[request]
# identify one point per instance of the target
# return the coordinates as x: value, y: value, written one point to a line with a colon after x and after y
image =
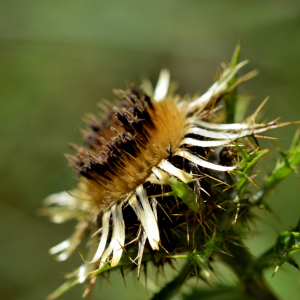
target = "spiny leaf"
x: 246, y: 168
x: 126, y: 259
x: 283, y: 168
x: 200, y: 257
x: 287, y: 243
x: 185, y: 193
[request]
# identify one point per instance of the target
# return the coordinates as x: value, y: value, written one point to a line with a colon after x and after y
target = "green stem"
x: 242, y: 264
x: 171, y: 289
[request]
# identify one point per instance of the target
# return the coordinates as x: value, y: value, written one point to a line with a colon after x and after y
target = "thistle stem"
x: 243, y: 264
x: 172, y: 288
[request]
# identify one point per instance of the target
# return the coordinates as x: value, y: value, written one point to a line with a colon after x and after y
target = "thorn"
x: 107, y: 280
x: 97, y: 231
x: 237, y: 212
x: 122, y: 273
x: 145, y: 274
x: 187, y: 229
x: 164, y: 212
x: 142, y: 242
x: 276, y: 269
x: 89, y: 289
x: 260, y: 107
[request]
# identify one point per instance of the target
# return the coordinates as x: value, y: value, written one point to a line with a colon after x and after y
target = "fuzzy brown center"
x: 123, y: 147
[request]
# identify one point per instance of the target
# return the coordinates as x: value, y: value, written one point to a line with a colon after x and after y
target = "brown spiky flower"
x: 149, y: 174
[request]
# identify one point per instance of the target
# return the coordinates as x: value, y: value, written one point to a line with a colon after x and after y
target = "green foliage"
x: 185, y: 193
x: 288, y: 163
x: 200, y: 257
x: 246, y: 169
x: 127, y: 259
x: 287, y: 243
x: 290, y: 160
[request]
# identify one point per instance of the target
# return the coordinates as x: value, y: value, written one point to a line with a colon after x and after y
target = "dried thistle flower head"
x: 155, y: 176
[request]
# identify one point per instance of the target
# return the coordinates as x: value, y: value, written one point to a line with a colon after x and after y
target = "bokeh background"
x: 59, y: 58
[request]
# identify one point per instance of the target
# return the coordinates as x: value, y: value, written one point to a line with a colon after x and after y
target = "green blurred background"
x: 59, y: 58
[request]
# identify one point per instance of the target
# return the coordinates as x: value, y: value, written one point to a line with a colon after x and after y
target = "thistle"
x: 160, y: 178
